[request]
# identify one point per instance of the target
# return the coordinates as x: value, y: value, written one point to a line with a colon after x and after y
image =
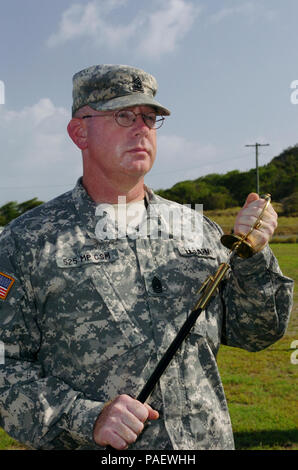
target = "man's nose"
x: 139, y: 124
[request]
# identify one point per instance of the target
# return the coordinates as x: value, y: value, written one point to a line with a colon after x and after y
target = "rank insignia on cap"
x: 137, y: 84
x: 6, y: 283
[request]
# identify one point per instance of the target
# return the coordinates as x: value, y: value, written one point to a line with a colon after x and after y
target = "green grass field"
x: 261, y: 388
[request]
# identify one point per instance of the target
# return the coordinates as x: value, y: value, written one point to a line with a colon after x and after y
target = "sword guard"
x: 244, y: 248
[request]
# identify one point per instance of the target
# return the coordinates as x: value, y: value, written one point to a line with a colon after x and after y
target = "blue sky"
x: 224, y: 69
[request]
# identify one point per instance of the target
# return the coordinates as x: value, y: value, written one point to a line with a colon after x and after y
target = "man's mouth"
x: 139, y: 150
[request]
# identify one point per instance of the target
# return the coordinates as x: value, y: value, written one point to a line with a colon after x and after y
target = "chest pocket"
x: 116, y: 307
x: 96, y: 264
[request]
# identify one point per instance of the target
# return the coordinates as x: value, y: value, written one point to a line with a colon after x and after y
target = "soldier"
x: 89, y: 303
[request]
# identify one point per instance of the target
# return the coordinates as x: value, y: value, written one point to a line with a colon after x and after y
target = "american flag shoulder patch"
x: 6, y: 283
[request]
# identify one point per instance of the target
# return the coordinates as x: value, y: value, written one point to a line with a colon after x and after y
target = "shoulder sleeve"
x: 34, y: 408
x: 258, y: 300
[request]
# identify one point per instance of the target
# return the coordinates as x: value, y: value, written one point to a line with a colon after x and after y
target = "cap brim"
x: 134, y: 99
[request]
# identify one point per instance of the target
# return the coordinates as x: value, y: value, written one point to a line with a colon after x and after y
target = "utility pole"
x: 256, y: 145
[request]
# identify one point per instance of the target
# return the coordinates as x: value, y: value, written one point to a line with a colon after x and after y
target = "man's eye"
x: 150, y: 117
x: 124, y: 114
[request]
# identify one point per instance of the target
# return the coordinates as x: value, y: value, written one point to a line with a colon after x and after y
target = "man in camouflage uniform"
x: 88, y: 308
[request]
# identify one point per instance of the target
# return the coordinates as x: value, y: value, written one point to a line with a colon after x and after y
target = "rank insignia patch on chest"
x: 6, y: 283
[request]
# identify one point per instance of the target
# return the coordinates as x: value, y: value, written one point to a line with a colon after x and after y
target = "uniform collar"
x: 86, y: 207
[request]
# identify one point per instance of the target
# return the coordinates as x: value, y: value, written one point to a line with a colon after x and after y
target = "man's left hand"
x: 247, y: 217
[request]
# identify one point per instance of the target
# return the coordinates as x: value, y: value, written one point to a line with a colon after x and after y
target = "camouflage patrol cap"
x: 109, y: 87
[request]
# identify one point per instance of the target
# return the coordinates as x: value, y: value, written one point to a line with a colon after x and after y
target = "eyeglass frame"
x: 144, y: 115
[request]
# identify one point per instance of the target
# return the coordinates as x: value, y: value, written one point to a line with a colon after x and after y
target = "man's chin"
x: 138, y: 169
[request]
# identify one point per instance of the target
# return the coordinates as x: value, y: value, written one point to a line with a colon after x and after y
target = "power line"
x: 256, y: 145
x: 195, y: 167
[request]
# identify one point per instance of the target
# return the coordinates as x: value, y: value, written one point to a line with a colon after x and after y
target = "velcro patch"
x: 193, y: 251
x: 6, y: 283
x: 87, y: 257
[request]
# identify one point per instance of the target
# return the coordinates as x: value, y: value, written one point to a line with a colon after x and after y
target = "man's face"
x: 120, y: 151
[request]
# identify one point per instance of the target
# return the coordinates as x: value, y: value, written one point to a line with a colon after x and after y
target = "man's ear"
x: 78, y: 133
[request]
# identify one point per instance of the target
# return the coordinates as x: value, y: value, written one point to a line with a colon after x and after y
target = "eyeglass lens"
x: 126, y: 118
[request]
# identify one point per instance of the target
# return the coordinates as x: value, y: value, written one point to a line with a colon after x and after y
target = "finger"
x: 139, y: 410
x: 125, y: 433
x: 152, y: 414
x: 115, y: 433
x: 253, y: 200
x: 253, y: 221
x: 132, y: 422
x: 259, y: 204
x: 250, y: 198
x: 142, y: 411
x: 113, y: 439
x: 271, y: 210
x: 264, y: 228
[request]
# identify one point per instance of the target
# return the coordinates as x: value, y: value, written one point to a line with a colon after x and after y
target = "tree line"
x: 12, y: 209
x: 217, y: 191
x: 221, y: 191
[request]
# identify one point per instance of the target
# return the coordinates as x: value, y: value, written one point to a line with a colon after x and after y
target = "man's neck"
x: 105, y: 192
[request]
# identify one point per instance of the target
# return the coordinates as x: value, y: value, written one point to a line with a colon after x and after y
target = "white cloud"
x: 154, y: 30
x: 225, y: 13
x: 36, y: 151
x: 250, y: 10
x: 167, y: 26
x: 90, y: 21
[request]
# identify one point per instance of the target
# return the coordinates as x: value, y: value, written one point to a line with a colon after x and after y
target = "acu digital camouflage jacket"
x: 83, y: 320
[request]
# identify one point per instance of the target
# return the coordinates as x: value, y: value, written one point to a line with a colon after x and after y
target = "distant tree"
x: 8, y: 212
x: 28, y: 205
x: 12, y: 209
x: 221, y: 199
x: 290, y: 205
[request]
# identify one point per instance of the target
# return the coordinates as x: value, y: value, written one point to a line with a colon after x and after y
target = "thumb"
x: 250, y: 198
x: 153, y: 414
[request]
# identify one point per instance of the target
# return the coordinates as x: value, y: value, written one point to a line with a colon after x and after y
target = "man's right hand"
x: 121, y: 421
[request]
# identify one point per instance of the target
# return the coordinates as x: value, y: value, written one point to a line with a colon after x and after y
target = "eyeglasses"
x: 126, y: 118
